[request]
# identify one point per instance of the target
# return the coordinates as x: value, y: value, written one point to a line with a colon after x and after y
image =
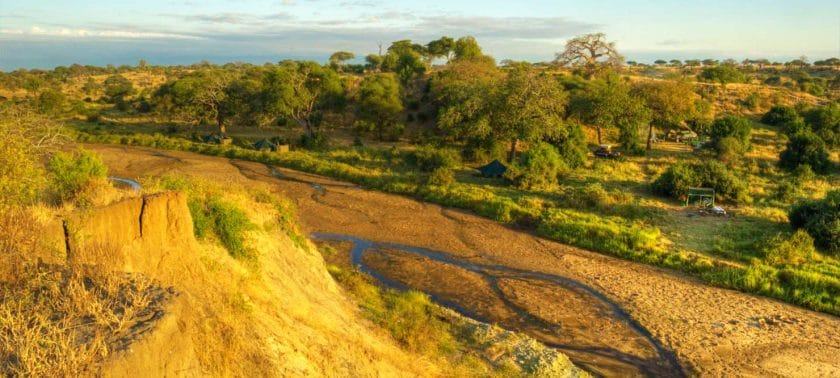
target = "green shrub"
x: 429, y: 158
x: 786, y: 191
x: 821, y: 219
x: 70, y: 173
x: 729, y: 149
x: 441, y: 177
x: 825, y: 122
x: 795, y: 249
x: 723, y: 74
x: 229, y: 224
x: 539, y: 167
x: 805, y: 148
x: 675, y: 181
x: 780, y: 115
x: 731, y: 127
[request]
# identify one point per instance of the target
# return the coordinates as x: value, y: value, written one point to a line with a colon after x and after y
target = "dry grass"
x: 63, y: 320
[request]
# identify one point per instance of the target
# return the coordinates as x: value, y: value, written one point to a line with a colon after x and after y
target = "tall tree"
x: 198, y: 96
x: 338, y: 58
x: 467, y: 48
x: 441, y: 48
x: 302, y: 92
x: 671, y: 103
x: 463, y: 92
x: 379, y: 103
x: 591, y: 52
x: 610, y: 104
x: 529, y: 106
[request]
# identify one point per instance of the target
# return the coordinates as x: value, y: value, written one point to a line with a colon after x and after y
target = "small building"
x: 494, y: 169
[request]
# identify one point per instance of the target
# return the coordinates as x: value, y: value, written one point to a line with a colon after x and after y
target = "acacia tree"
x: 302, y: 92
x: 467, y: 48
x: 338, y: 58
x: 463, y: 93
x: 591, y: 52
x: 610, y: 104
x: 379, y: 104
x: 528, y: 106
x: 441, y: 48
x: 198, y: 96
x: 671, y: 103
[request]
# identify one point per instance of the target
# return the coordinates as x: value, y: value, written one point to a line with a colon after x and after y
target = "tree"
x: 374, y: 62
x: 91, y: 87
x: 779, y: 115
x: 117, y: 87
x: 821, y: 219
x: 731, y: 135
x: 693, y: 62
x: 338, y: 58
x: 467, y: 48
x: 539, y: 167
x: 671, y: 103
x: 805, y: 148
x: 710, y: 62
x: 660, y: 62
x: 591, y: 52
x: 463, y: 92
x: 198, y: 97
x: 675, y: 62
x: 609, y: 104
x: 301, y: 91
x: 529, y: 106
x: 825, y: 122
x: 406, y: 59
x: 379, y: 104
x: 441, y: 48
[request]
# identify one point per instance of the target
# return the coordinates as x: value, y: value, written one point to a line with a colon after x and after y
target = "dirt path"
x: 712, y: 331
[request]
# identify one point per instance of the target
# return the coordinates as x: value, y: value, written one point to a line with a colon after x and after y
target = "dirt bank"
x: 712, y: 331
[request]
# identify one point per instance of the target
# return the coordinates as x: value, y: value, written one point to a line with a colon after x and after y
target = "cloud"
x: 36, y: 31
x: 671, y: 42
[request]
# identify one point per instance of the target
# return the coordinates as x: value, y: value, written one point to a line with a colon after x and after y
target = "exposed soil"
x: 711, y: 331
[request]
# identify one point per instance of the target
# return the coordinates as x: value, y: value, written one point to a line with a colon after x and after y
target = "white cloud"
x: 36, y: 31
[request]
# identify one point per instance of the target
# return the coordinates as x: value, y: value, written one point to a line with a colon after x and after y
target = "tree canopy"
x: 591, y: 52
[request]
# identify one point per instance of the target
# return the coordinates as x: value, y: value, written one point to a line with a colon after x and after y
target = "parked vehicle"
x: 606, y: 151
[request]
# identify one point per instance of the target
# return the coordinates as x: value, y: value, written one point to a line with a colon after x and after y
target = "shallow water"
x: 666, y: 364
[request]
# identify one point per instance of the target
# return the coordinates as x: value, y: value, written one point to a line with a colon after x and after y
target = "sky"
x: 50, y: 33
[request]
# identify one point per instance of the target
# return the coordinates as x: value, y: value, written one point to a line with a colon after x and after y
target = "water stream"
x: 667, y: 363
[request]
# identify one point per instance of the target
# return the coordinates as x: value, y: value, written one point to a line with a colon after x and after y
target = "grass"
x: 609, y: 221
x: 213, y: 216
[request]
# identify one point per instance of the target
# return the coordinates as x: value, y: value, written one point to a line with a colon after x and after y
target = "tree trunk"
x: 598, y: 129
x: 512, y: 154
x: 650, y: 137
x: 222, y: 128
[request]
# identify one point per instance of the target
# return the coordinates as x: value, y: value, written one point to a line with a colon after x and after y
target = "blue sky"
x: 45, y: 34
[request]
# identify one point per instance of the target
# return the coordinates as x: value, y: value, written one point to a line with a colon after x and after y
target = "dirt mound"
x: 280, y: 315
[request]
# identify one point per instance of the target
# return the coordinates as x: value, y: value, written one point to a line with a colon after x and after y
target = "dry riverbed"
x: 539, y: 286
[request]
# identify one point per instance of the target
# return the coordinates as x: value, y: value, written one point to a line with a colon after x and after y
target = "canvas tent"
x: 265, y: 145
x: 494, y: 169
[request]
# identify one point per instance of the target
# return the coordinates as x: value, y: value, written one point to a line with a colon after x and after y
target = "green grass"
x: 462, y: 347
x: 602, y: 218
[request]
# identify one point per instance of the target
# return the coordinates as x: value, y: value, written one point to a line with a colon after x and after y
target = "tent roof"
x: 494, y: 168
x: 265, y: 143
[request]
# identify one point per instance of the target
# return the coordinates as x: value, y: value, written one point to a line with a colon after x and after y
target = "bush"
x: 731, y: 127
x: 429, y: 158
x: 70, y: 173
x: 805, y: 148
x: 794, y: 250
x: 780, y: 115
x: 825, y: 122
x: 316, y: 141
x: 729, y: 149
x: 539, y: 167
x: 723, y: 74
x: 441, y: 177
x: 821, y: 219
x: 676, y: 180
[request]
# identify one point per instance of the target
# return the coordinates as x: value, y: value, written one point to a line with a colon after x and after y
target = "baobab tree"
x: 591, y: 52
